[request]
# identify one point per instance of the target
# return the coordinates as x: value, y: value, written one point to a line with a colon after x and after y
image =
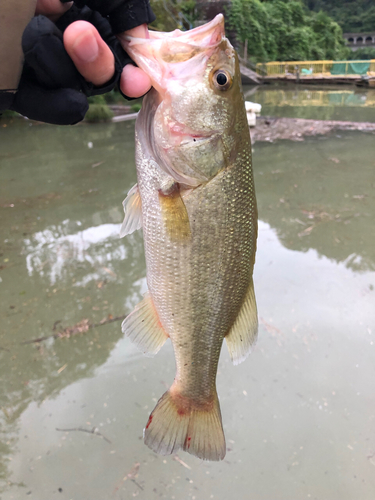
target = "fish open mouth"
x: 165, y: 55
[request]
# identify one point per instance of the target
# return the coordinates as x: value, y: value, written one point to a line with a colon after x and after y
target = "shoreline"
x: 267, y: 129
x: 271, y: 128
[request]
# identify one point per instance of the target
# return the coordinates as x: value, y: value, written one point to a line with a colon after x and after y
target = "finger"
x: 134, y: 81
x: 90, y: 54
x: 52, y: 8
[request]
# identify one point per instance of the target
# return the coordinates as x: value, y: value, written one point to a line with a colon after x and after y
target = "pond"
x: 298, y: 415
x: 315, y: 102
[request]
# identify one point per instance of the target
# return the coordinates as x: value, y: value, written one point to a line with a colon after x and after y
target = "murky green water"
x: 314, y: 102
x: 299, y: 414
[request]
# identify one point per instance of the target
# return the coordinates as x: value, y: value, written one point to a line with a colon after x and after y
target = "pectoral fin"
x: 144, y: 329
x: 133, y: 212
x: 243, y: 333
x: 175, y: 216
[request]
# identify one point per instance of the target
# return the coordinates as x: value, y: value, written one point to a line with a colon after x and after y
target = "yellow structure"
x: 310, y: 68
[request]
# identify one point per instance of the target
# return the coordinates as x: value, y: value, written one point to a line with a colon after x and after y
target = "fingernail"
x: 86, y: 47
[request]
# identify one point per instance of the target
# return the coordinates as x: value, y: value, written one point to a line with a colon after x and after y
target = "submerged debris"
x: 94, y: 430
x: 81, y: 327
x: 270, y: 129
x: 132, y: 474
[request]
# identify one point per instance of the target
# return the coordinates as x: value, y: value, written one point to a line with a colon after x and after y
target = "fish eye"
x: 222, y: 79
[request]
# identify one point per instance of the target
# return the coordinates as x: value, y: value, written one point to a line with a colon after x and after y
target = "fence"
x: 314, y: 68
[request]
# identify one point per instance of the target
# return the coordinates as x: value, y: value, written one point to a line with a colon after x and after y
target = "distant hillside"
x: 351, y: 15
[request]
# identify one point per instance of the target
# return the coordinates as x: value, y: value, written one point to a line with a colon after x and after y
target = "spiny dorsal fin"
x: 143, y: 327
x: 243, y: 333
x: 133, y: 212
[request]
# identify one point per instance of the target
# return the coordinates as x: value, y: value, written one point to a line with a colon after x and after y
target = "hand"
x: 91, y: 55
x: 95, y: 61
x: 55, y: 82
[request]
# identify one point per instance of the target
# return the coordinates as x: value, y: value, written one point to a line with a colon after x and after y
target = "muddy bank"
x: 270, y: 128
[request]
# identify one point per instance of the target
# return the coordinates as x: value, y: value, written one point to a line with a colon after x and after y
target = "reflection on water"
x: 352, y: 104
x: 321, y: 194
x: 52, y: 252
x: 61, y: 261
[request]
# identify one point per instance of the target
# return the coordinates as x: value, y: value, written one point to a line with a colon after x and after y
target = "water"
x: 315, y: 102
x: 298, y: 414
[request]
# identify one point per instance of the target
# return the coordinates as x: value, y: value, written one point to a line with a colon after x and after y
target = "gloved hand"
x: 51, y: 88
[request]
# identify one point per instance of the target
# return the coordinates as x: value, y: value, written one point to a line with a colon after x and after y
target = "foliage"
x: 113, y: 97
x: 189, y: 9
x: 98, y: 110
x: 173, y: 14
x: 167, y: 14
x: 361, y: 54
x: 8, y: 113
x: 328, y: 36
x: 351, y: 15
x: 98, y: 113
x: 284, y: 30
x: 96, y: 99
x: 136, y: 106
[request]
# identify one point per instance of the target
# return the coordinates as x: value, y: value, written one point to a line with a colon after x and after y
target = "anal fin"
x: 133, y: 212
x: 143, y: 327
x: 243, y: 334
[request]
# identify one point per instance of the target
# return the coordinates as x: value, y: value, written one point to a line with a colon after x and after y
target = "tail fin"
x: 177, y: 423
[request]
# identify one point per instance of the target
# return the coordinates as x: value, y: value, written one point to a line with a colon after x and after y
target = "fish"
x: 195, y: 201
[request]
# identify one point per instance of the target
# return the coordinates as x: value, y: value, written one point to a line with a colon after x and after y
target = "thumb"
x: 89, y: 53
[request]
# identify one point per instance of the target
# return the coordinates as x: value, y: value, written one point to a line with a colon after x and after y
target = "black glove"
x: 123, y: 15
x: 51, y: 89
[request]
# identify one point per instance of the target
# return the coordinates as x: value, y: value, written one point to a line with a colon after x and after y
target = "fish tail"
x: 177, y: 422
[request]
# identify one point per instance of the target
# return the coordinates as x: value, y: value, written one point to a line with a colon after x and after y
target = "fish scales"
x: 200, y: 277
x: 212, y: 269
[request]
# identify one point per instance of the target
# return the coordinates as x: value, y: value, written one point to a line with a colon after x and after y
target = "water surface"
x: 298, y: 415
x: 343, y: 103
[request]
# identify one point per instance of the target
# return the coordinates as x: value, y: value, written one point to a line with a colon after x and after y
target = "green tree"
x: 250, y: 20
x: 363, y: 53
x: 351, y: 15
x: 166, y: 16
x: 189, y: 9
x: 285, y: 31
x: 172, y: 14
x: 328, y: 37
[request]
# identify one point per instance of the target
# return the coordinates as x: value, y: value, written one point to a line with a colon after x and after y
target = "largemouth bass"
x: 196, y: 203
